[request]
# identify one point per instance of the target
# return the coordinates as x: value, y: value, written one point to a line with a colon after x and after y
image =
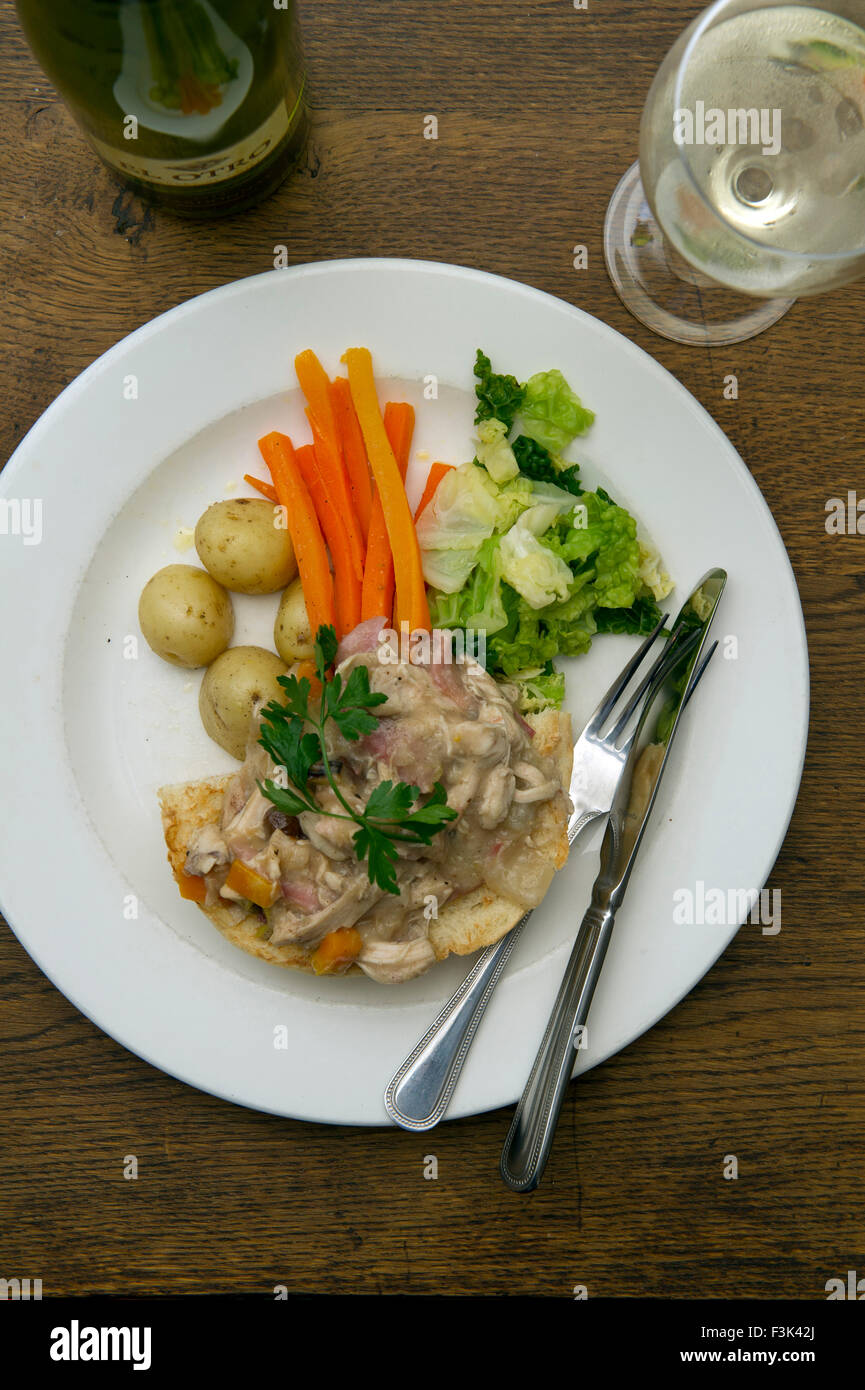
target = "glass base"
x: 663, y: 290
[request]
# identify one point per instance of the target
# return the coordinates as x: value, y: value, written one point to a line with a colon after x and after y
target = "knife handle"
x: 530, y: 1137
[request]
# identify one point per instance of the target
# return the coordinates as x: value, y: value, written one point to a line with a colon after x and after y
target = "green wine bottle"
x: 197, y: 104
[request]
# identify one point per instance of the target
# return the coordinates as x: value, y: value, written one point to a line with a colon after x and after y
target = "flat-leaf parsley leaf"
x: 293, y: 735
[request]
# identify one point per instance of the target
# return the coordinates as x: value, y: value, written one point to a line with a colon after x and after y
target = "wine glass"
x: 750, y: 188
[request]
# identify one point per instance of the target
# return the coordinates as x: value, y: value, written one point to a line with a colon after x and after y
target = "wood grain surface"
x: 538, y: 108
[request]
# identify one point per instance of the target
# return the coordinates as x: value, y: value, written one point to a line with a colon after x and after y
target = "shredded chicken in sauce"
x: 446, y: 722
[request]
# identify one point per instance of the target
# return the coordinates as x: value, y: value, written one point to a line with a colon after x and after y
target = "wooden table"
x: 538, y: 108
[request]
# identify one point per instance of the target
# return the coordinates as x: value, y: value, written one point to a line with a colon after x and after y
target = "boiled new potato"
x: 185, y: 616
x: 244, y: 547
x: 292, y: 635
x: 231, y: 686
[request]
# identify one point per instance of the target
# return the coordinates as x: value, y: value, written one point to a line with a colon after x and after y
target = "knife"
x: 530, y: 1137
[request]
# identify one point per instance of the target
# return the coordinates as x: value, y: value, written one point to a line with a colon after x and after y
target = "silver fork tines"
x: 677, y: 648
x: 605, y: 707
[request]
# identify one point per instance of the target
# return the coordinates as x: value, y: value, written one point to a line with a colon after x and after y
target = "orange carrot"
x: 315, y: 385
x: 336, y: 951
x: 353, y: 452
x: 332, y: 470
x: 378, y: 575
x: 376, y: 600
x: 307, y: 669
x: 251, y: 885
x: 266, y: 489
x: 436, y: 474
x: 399, y: 427
x: 309, y: 548
x: 192, y: 886
x: 411, y: 593
x: 345, y: 581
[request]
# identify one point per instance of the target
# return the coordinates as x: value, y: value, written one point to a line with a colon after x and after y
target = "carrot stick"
x: 309, y: 548
x: 378, y: 576
x: 333, y: 475
x: 353, y: 452
x: 266, y: 489
x: 436, y: 474
x: 315, y: 385
x: 399, y: 428
x: 376, y: 599
x: 345, y: 581
x: 410, y: 590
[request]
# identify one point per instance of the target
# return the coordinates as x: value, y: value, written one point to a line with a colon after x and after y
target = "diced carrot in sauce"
x: 251, y: 885
x: 336, y: 951
x: 192, y: 887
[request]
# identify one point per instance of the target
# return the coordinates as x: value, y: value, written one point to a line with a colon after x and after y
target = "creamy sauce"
x: 442, y: 722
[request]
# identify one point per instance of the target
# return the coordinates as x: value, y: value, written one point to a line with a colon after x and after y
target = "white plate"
x: 89, y: 734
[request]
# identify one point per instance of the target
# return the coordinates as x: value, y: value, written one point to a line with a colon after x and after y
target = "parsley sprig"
x: 293, y: 735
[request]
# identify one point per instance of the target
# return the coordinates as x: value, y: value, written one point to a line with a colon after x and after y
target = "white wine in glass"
x: 750, y: 189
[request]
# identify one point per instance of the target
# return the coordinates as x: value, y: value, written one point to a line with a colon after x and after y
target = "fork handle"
x: 530, y: 1137
x: 420, y: 1092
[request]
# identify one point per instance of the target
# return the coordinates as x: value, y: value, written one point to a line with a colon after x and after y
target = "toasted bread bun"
x: 464, y: 924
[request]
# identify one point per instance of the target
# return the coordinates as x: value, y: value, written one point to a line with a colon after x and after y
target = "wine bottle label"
x: 209, y: 169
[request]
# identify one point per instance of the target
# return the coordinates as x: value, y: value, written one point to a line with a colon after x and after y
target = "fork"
x: 420, y: 1091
